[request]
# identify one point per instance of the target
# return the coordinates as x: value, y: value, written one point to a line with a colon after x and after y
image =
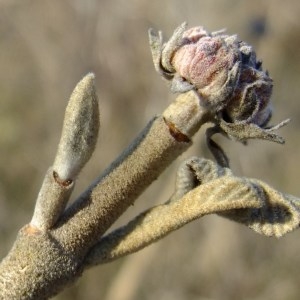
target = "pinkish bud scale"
x: 226, y: 76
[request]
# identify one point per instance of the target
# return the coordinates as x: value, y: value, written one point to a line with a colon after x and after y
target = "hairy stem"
x: 41, y: 263
x: 164, y: 139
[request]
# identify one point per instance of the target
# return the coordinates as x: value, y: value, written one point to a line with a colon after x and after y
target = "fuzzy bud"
x: 225, y: 75
x: 206, y: 63
x: 80, y: 130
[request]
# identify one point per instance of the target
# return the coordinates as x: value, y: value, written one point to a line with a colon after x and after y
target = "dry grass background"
x: 47, y: 46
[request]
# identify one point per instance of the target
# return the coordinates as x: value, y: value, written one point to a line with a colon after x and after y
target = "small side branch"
x: 77, y: 143
x: 247, y: 201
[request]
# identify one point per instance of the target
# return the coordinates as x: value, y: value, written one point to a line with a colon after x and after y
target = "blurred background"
x: 46, y: 47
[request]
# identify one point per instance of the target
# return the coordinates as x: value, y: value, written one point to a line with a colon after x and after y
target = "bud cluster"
x: 226, y: 76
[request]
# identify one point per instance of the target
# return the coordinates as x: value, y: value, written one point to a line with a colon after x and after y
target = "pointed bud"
x: 80, y: 130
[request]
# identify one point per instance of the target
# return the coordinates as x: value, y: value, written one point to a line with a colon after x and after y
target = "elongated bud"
x: 77, y: 143
x: 80, y: 130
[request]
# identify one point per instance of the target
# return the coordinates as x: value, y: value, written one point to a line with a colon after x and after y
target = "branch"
x: 247, y: 201
x: 49, y: 254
